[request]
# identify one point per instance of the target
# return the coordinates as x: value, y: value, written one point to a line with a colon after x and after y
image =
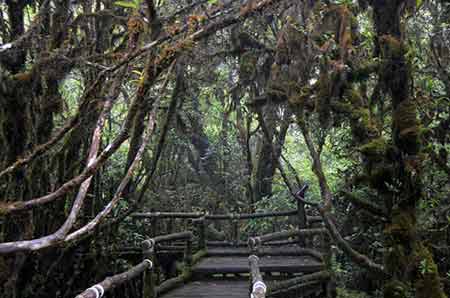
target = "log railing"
x: 200, y: 219
x: 256, y: 242
x: 192, y: 215
x: 296, y: 284
x: 150, y: 248
x: 99, y: 289
x: 184, y: 242
x: 257, y: 286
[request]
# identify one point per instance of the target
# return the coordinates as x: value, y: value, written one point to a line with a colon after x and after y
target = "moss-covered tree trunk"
x: 409, y: 263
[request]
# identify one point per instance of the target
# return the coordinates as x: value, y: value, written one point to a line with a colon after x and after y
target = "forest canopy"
x: 108, y: 108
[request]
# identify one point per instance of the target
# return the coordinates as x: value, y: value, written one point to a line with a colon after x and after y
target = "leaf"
x: 213, y: 2
x: 125, y: 4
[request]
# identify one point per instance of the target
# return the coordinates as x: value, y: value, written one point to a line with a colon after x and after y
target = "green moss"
x: 323, y: 106
x: 402, y: 227
x: 354, y: 97
x: 406, y: 127
x: 420, y: 264
x: 375, y: 149
x: 380, y: 176
x: 407, y: 257
x: 247, y: 65
x: 427, y: 282
x: 395, y: 289
x: 346, y: 293
x: 363, y: 72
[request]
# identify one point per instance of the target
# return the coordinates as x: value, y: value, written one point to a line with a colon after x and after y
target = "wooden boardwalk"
x: 211, y: 288
x: 224, y: 272
x: 281, y: 264
x: 286, y: 264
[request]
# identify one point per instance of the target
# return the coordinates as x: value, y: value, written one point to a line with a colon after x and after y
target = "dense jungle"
x: 136, y: 135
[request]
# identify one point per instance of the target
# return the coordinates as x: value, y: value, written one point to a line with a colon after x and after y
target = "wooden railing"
x: 194, y: 247
x: 150, y: 249
x: 296, y: 284
x: 99, y: 289
x: 201, y: 218
x: 257, y: 286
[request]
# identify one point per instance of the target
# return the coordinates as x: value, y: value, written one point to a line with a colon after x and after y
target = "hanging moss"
x: 395, y: 70
x: 406, y: 127
x: 324, y: 94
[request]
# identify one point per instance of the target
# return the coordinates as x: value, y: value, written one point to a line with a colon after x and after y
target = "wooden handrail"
x: 169, y: 237
x: 255, y: 242
x: 150, y: 246
x: 258, y: 288
x: 286, y: 284
x: 194, y: 215
x: 98, y: 290
x: 167, y: 215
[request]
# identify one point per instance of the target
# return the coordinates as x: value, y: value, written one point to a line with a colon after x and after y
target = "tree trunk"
x: 408, y: 261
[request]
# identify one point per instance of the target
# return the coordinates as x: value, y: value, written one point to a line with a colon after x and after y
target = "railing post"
x: 153, y: 226
x: 188, y: 254
x: 201, y: 230
x: 254, y: 244
x: 148, y: 282
x: 170, y: 223
x: 330, y: 287
x: 301, y: 213
x: 235, y: 227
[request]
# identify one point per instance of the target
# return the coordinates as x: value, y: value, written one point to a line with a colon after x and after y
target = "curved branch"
x: 325, y: 209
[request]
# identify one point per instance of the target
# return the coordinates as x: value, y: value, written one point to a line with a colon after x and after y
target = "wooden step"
x: 211, y: 288
x: 238, y: 264
x: 264, y: 251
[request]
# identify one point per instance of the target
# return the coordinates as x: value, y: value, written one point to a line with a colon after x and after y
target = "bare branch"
x: 325, y: 210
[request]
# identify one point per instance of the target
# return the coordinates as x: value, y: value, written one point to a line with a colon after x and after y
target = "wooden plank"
x: 211, y: 288
x: 288, y: 264
x: 264, y: 251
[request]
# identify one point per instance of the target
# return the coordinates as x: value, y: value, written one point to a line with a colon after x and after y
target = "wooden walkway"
x: 273, y: 264
x: 211, y: 288
x: 225, y: 272
x: 277, y: 265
